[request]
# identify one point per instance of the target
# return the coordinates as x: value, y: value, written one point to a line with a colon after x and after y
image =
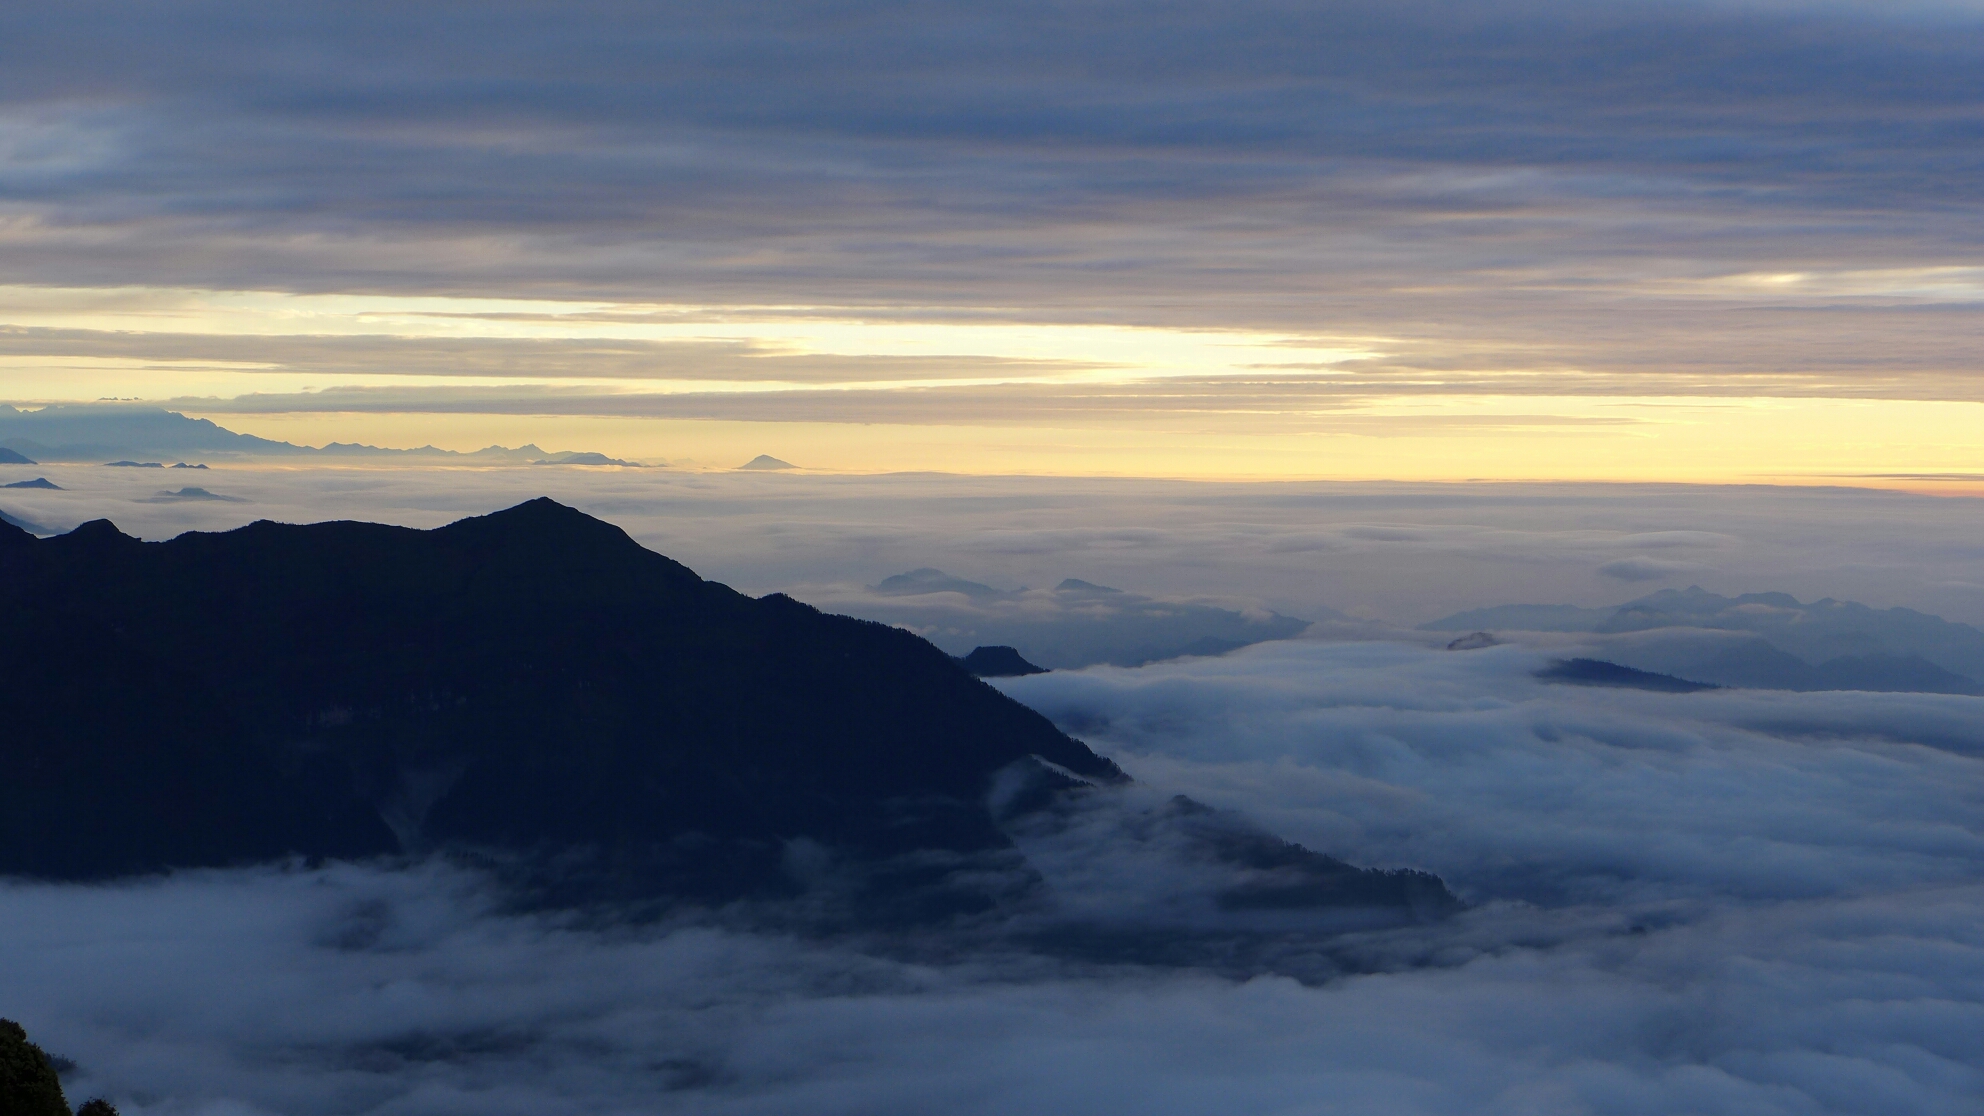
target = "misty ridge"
x: 1759, y: 640
x: 93, y: 432
x: 1072, y: 625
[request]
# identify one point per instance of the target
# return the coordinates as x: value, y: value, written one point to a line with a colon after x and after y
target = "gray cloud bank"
x: 1581, y: 194
x: 1707, y: 903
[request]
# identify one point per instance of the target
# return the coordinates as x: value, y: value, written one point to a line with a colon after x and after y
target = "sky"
x: 1361, y: 313
x: 1420, y: 241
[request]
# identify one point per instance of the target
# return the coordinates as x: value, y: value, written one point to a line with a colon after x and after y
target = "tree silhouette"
x: 97, y: 1107
x: 28, y: 1083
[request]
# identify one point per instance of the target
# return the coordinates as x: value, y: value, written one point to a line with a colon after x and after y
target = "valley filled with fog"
x: 1738, y: 900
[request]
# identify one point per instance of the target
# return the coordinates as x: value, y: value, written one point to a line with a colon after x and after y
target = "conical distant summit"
x: 767, y: 461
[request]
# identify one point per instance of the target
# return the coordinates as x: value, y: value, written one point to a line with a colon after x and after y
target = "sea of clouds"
x: 1718, y: 902
x: 1399, y: 553
x: 1721, y: 902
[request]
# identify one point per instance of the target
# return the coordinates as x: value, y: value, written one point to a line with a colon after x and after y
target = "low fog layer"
x: 1719, y: 902
x: 1402, y: 554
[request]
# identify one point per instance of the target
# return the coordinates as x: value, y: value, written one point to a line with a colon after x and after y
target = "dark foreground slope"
x: 532, y: 684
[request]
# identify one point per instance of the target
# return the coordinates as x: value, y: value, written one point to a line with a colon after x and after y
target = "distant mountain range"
x: 1075, y: 624
x: 537, y: 692
x: 1762, y: 640
x: 100, y: 432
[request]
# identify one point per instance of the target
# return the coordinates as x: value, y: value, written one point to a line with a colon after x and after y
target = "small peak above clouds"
x: 10, y: 457
x: 581, y: 458
x: 167, y: 496
x: 38, y: 482
x: 998, y: 662
x: 930, y: 580
x: 767, y: 462
x: 1076, y: 585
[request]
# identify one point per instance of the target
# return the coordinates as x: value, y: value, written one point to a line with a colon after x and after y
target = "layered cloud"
x: 1371, y: 200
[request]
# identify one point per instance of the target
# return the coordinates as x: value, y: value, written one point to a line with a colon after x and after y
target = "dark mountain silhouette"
x: 767, y: 461
x: 998, y: 662
x: 1598, y: 672
x: 532, y: 688
x: 38, y: 482
x: 9, y: 457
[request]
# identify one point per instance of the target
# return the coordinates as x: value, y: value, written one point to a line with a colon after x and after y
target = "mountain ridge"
x: 531, y: 688
x: 88, y: 432
x: 1766, y: 640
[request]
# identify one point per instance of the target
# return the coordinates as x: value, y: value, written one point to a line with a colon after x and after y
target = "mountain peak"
x: 998, y: 662
x: 536, y: 517
x: 1077, y: 585
x: 527, y: 681
x: 98, y: 532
